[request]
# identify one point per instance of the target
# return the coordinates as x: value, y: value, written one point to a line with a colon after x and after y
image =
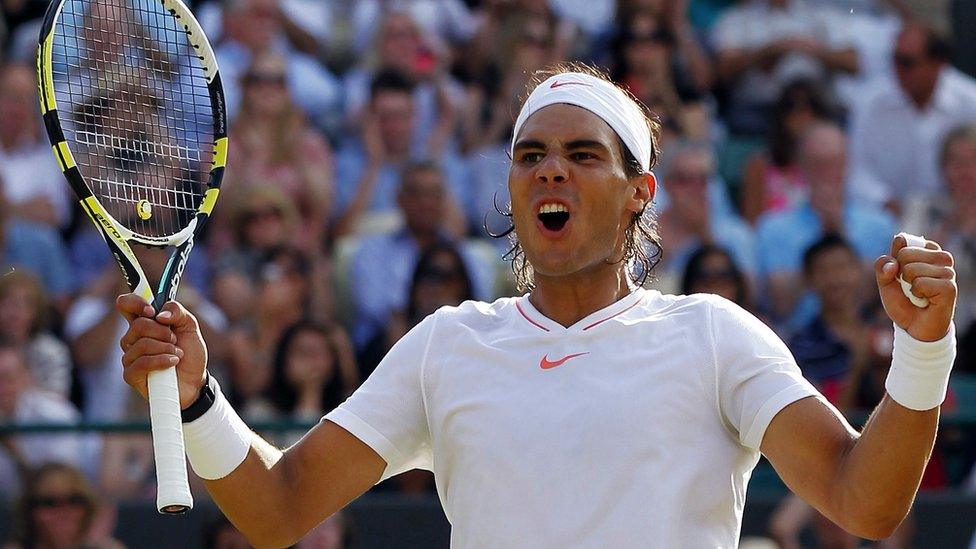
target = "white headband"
x: 599, y: 97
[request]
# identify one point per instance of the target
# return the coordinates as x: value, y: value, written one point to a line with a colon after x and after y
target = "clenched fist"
x: 930, y: 273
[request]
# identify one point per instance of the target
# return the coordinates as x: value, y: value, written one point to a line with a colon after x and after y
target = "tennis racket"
x: 134, y: 109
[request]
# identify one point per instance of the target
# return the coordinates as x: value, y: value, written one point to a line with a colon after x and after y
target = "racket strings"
x: 136, y: 110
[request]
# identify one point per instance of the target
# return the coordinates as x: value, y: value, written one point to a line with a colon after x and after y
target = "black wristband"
x: 206, y: 398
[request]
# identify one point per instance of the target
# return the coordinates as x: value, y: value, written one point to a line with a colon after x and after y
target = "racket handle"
x: 173, y: 490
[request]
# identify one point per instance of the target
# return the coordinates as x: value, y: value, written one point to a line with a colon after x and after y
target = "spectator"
x: 711, y: 270
x: 24, y: 315
x: 275, y: 146
x: 281, y: 300
x: 951, y: 220
x: 261, y: 219
x: 37, y: 249
x: 443, y: 22
x: 29, y: 176
x: 314, y: 371
x: 254, y: 27
x: 661, y: 63
x: 59, y: 510
x: 835, y: 346
x: 896, y: 132
x: 401, y: 46
x: 689, y: 219
x: 761, y: 45
x: 440, y: 278
x: 422, y: 199
x: 771, y: 179
x: 783, y: 236
x: 21, y: 403
x: 368, y: 171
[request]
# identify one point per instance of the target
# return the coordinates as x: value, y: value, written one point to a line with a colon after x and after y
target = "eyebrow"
x: 575, y: 144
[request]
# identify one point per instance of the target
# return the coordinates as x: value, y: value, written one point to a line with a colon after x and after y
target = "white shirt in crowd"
x: 638, y: 425
x: 30, y: 172
x: 755, y: 24
x: 895, y: 147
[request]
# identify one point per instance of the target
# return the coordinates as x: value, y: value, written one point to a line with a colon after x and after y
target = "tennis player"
x: 590, y: 412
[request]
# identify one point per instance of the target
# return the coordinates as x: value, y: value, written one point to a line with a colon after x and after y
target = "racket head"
x: 133, y: 105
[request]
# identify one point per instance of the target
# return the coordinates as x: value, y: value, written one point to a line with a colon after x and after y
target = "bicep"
x: 806, y: 442
x: 327, y: 469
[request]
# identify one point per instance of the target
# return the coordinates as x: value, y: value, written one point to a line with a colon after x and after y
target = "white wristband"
x: 218, y: 441
x: 919, y: 374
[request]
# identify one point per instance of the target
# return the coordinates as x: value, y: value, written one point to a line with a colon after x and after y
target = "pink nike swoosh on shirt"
x: 547, y: 364
x: 558, y: 84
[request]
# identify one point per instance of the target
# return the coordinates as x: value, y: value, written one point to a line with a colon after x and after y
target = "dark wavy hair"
x: 642, y: 249
x: 280, y: 393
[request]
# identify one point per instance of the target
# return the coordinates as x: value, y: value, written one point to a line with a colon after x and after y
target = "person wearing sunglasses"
x: 897, y: 132
x: 59, y: 510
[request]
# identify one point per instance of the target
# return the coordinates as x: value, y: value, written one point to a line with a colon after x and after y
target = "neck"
x: 309, y: 400
x: 568, y: 299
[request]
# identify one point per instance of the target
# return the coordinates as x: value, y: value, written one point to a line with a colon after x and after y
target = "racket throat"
x: 169, y: 283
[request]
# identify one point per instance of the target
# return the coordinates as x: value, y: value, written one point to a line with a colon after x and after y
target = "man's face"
x: 395, y: 112
x: 422, y: 201
x: 687, y: 184
x: 399, y: 42
x: 917, y: 73
x: 960, y: 169
x: 571, y: 199
x: 835, y: 276
x: 256, y: 24
x: 823, y: 162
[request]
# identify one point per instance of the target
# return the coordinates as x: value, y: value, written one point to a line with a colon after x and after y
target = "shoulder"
x: 474, y: 314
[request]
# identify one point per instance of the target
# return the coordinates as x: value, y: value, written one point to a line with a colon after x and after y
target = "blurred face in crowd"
x: 568, y: 158
x: 264, y: 226
x: 959, y: 168
x: 443, y: 283
x: 835, y: 277
x: 687, y: 184
x: 823, y: 161
x: 18, y: 311
x: 265, y: 87
x: 18, y: 104
x: 13, y: 380
x: 107, y: 19
x: 310, y: 358
x: 399, y: 42
x: 716, y: 276
x: 59, y: 510
x: 421, y: 199
x: 282, y: 286
x: 395, y: 112
x: 254, y: 23
x: 917, y: 72
x: 532, y: 51
x: 647, y: 49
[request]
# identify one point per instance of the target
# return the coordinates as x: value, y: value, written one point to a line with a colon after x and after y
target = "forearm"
x: 255, y: 497
x: 881, y: 473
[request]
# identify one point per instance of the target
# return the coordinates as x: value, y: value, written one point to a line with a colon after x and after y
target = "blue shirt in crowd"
x: 38, y: 249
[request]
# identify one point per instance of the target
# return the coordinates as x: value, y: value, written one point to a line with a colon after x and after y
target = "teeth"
x: 552, y: 207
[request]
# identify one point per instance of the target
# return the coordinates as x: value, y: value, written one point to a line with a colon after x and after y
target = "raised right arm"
x: 274, y: 497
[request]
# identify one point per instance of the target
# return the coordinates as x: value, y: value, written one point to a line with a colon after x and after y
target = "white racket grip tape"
x: 919, y: 374
x: 218, y: 441
x: 173, y: 489
x: 920, y: 302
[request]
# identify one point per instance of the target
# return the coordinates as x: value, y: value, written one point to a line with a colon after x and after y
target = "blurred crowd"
x: 366, y: 187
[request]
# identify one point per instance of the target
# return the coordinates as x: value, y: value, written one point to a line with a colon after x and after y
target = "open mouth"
x: 553, y: 216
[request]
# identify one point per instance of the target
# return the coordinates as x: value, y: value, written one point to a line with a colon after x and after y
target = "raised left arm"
x: 866, y: 482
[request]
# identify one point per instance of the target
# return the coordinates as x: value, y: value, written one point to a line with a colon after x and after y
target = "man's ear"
x: 645, y: 186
